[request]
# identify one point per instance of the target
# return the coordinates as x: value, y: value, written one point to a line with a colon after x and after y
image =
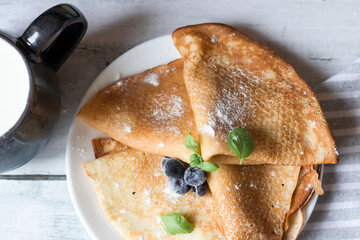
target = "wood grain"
x: 318, y: 37
x: 37, y: 210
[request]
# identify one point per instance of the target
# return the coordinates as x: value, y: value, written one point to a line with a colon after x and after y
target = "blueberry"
x: 173, y: 168
x: 165, y: 159
x: 201, y: 189
x: 194, y: 176
x: 179, y: 186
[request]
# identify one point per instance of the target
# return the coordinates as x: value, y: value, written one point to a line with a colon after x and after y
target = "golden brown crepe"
x: 133, y: 192
x: 234, y: 81
x: 247, y: 202
x: 104, y: 146
x: 149, y: 111
x: 308, y: 183
x: 253, y: 200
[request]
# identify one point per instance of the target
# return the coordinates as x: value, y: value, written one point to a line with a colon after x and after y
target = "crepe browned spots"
x: 149, y: 111
x: 246, y: 202
x: 234, y: 81
x: 133, y: 192
x: 253, y: 200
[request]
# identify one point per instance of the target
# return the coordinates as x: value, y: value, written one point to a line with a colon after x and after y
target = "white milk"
x: 14, y: 86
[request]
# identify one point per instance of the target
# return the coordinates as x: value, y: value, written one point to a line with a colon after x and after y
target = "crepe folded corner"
x: 234, y: 81
x: 149, y: 111
x: 133, y: 193
x: 246, y: 202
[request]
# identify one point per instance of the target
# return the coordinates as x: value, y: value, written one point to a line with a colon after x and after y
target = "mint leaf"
x: 240, y: 143
x: 175, y: 223
x: 190, y: 143
x: 195, y: 159
x: 209, y: 166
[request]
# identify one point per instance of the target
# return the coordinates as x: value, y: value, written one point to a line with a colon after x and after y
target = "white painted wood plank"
x: 317, y: 37
x: 37, y: 210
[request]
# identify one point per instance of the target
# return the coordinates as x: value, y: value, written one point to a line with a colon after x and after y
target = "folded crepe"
x: 231, y: 81
x: 246, y: 202
x: 253, y: 201
x: 234, y: 81
x: 308, y: 183
x: 149, y: 111
x: 133, y: 193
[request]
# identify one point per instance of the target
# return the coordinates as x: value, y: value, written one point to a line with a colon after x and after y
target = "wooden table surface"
x: 318, y: 37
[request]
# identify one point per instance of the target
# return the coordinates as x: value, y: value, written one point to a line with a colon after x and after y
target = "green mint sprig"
x: 240, y: 143
x: 190, y: 143
x: 175, y: 223
x: 196, y: 158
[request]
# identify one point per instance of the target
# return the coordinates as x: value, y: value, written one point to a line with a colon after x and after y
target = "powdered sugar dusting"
x: 158, y: 219
x: 213, y: 39
x: 173, y: 197
x: 228, y: 112
x: 147, y: 192
x: 173, y: 108
x: 166, y: 110
x: 152, y: 79
x: 208, y: 130
x: 127, y: 128
x: 119, y: 83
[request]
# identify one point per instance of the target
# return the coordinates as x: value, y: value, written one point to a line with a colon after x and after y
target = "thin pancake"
x: 239, y: 216
x: 234, y: 81
x: 296, y: 222
x: 104, y: 146
x: 149, y: 111
x: 308, y: 183
x: 302, y: 194
x: 133, y: 192
x: 253, y: 200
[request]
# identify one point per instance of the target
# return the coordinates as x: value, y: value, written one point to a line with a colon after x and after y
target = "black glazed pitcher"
x: 44, y: 46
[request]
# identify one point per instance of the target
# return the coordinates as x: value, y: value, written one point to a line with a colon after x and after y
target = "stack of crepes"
x: 224, y: 80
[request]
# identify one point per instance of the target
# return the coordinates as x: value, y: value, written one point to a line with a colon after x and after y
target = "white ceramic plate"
x: 147, y: 55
